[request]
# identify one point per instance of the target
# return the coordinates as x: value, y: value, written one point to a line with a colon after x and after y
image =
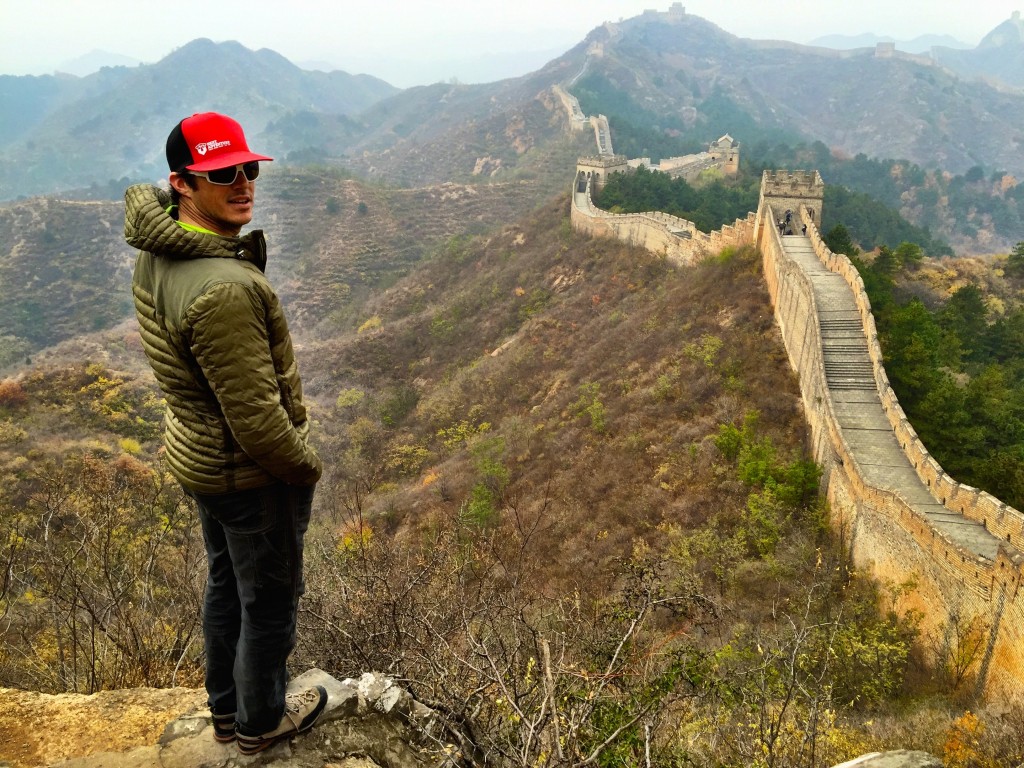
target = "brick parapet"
x: 959, y: 581
x: 999, y: 518
x: 889, y: 537
x: 950, y: 580
x: 676, y: 239
x: 577, y: 120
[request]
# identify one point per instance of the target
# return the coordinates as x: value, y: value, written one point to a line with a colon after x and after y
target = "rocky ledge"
x: 369, y: 723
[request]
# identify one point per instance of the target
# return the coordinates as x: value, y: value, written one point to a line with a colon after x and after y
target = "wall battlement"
x: 961, y: 549
x: 964, y: 549
x: 602, y: 161
x: 678, y: 240
x: 890, y: 537
x: 792, y: 184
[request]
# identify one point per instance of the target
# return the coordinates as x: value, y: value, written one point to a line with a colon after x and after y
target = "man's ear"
x: 180, y: 185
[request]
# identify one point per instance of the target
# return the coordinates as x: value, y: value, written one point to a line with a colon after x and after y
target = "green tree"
x: 1015, y: 261
x: 964, y: 320
x: 838, y: 240
x: 908, y: 253
x: 886, y: 263
x: 974, y: 174
x: 911, y: 343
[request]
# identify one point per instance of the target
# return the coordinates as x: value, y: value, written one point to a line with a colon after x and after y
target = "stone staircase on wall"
x: 603, y: 135
x: 849, y: 373
x: 906, y: 521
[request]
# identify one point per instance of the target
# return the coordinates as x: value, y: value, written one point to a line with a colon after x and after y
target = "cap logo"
x: 208, y: 146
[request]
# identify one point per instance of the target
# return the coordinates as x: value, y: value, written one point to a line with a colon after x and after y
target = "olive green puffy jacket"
x: 216, y: 337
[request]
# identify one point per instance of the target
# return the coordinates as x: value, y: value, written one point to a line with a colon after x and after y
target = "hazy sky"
x: 413, y: 42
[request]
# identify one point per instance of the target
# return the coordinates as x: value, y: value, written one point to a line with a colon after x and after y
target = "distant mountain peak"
x: 920, y: 44
x: 1010, y: 32
x: 93, y: 61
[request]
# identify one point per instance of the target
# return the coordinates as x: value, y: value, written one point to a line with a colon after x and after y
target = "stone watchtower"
x: 795, y: 191
x: 597, y: 168
x: 726, y: 151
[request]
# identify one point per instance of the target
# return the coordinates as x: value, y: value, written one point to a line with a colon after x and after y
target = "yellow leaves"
x: 11, y: 434
x: 430, y: 478
x: 408, y: 459
x: 662, y: 475
x: 704, y: 350
x: 531, y: 667
x: 354, y: 537
x: 349, y: 397
x: 371, y: 324
x: 456, y: 435
x: 962, y: 747
x: 128, y: 445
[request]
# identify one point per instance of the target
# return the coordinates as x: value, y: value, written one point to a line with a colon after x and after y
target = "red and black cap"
x: 208, y: 141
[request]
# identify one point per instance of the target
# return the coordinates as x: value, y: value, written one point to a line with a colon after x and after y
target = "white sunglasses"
x: 225, y: 177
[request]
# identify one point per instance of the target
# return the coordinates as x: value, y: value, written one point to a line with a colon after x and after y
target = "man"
x: 235, y: 427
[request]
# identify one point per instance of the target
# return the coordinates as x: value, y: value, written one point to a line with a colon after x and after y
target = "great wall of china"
x: 907, y: 521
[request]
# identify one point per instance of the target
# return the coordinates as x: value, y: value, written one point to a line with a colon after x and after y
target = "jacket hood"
x: 149, y: 227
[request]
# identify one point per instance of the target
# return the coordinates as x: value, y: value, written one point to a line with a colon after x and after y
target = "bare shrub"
x: 12, y: 394
x: 537, y: 679
x: 105, y: 586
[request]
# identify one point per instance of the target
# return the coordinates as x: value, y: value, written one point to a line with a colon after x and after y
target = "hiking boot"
x: 301, y: 710
x: 223, y: 727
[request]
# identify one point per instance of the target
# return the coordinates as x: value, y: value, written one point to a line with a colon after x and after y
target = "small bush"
x: 12, y: 394
x: 371, y: 324
x: 128, y: 445
x: 349, y: 397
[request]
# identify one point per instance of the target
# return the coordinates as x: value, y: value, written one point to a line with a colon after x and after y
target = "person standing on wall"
x: 235, y: 429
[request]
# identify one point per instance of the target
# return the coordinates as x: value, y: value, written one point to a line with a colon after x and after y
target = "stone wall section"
x: 888, y: 536
x: 677, y: 240
x: 960, y: 549
x: 577, y: 120
x: 603, y: 135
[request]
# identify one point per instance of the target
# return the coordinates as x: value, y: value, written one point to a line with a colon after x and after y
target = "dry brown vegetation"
x: 102, y: 564
x: 512, y: 331
x: 531, y: 505
x: 565, y: 502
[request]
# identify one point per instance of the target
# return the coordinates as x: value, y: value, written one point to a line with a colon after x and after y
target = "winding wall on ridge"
x: 676, y: 239
x: 906, y: 520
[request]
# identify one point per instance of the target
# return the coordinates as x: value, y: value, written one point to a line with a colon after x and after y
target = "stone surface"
x: 898, y: 759
x: 42, y: 729
x: 368, y: 723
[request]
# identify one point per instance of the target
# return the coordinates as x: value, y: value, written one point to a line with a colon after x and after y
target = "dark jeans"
x: 254, y: 551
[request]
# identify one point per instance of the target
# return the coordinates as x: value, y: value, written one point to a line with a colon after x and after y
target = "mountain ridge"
x: 118, y: 128
x: 814, y: 93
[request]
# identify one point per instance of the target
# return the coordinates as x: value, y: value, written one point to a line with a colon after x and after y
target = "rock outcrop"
x: 899, y: 759
x: 369, y: 723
